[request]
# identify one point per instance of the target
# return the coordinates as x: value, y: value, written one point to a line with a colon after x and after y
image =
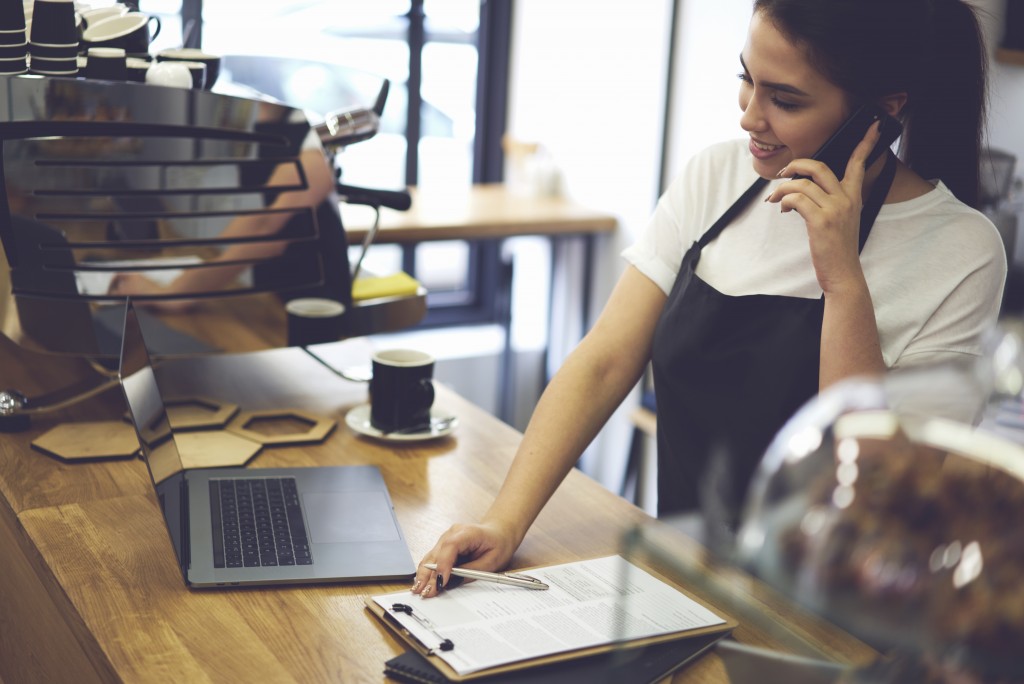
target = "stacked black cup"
x: 13, y: 41
x: 53, y: 45
x: 106, y: 64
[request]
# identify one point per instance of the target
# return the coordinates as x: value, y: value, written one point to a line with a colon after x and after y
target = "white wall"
x: 588, y: 82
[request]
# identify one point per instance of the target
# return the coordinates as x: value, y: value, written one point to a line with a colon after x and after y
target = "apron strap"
x: 730, y: 213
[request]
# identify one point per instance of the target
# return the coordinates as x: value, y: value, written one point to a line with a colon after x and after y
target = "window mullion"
x: 192, y: 11
x: 493, y: 41
x: 417, y: 37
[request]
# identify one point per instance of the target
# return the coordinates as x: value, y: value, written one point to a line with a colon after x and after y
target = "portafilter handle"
x: 348, y: 126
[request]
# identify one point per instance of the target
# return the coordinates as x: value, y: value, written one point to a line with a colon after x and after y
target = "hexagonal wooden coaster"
x: 89, y: 440
x: 199, y: 413
x: 281, y: 426
x: 214, y: 449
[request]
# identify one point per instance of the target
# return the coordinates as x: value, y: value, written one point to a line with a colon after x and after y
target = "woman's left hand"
x: 831, y: 209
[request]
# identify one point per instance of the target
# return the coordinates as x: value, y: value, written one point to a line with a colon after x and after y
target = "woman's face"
x: 789, y: 108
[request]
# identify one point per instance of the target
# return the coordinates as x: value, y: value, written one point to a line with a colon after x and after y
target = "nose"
x: 752, y: 118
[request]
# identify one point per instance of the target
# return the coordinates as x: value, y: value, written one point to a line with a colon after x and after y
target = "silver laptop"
x: 240, y: 526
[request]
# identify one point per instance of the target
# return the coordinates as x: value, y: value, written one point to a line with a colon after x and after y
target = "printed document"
x: 589, y: 603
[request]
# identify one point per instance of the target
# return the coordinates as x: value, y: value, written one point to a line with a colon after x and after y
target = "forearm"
x: 581, y: 397
x: 590, y: 385
x: 849, y: 335
x: 568, y: 416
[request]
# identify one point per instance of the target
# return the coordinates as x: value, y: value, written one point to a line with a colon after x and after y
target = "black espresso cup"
x: 13, y: 67
x: 314, y: 320
x: 53, y: 67
x: 198, y: 72
x: 14, y: 38
x: 12, y: 16
x: 401, y: 390
x: 106, y: 64
x: 53, y: 23
x: 130, y: 32
x: 53, y: 51
x: 211, y: 61
x: 13, y: 51
x: 136, y: 69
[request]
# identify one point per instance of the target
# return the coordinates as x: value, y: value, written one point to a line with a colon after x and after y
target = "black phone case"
x: 836, y: 151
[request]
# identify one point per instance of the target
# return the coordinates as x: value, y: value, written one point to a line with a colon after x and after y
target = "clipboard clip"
x: 445, y: 643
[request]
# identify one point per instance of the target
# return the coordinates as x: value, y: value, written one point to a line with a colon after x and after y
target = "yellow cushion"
x: 397, y: 285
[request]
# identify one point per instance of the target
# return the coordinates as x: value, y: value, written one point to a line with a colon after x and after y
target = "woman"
x: 778, y: 299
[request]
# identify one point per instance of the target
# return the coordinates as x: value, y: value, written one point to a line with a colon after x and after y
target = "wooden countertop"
x: 91, y: 591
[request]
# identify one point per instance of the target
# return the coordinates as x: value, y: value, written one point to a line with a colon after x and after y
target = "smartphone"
x: 837, y: 150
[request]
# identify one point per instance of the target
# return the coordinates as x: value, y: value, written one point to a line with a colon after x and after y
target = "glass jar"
x: 900, y: 525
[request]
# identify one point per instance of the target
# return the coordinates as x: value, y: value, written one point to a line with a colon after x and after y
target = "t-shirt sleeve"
x: 658, y: 252
x: 688, y: 208
x: 955, y: 332
x: 970, y: 307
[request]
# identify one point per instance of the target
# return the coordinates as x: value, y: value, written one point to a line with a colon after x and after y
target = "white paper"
x: 590, y: 603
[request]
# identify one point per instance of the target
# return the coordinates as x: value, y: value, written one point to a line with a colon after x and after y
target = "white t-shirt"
x: 934, y: 266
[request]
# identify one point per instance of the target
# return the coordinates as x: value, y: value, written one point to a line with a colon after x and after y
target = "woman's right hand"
x: 482, y: 546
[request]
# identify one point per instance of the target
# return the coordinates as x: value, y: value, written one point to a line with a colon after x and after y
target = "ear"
x: 893, y: 104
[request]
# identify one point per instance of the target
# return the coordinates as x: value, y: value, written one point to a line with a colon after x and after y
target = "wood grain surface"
x: 93, y: 586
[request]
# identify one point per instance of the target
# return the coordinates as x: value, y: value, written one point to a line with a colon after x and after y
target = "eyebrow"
x: 784, y: 87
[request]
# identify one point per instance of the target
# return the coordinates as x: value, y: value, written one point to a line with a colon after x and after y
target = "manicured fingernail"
x: 440, y: 582
x: 782, y: 172
x: 769, y: 196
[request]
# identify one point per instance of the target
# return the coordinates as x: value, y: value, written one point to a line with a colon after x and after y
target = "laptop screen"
x: 149, y: 416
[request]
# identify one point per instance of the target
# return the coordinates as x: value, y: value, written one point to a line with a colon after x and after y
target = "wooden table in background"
x: 90, y: 590
x: 487, y: 211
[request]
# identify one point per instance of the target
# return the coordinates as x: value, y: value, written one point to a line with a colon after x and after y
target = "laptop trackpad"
x: 349, y: 517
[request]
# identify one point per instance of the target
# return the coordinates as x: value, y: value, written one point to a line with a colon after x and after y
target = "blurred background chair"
x: 997, y: 174
x: 998, y: 169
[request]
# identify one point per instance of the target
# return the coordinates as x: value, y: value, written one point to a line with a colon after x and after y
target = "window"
x: 437, y: 129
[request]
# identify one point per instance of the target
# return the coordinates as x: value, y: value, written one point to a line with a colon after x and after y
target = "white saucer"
x: 359, y: 420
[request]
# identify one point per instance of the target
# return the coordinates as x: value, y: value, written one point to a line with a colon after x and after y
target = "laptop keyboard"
x: 260, y: 523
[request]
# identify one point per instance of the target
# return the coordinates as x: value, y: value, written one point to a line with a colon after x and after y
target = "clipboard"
x: 431, y: 655
x: 647, y: 665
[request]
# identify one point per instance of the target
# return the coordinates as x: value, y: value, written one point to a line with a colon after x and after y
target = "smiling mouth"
x: 764, y: 147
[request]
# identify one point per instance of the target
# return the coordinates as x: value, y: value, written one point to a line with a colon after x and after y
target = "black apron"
x: 728, y: 373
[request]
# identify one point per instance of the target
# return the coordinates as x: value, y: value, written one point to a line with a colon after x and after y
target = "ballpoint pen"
x: 513, y: 578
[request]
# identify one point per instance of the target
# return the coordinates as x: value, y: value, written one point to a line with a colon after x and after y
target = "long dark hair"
x: 930, y: 49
